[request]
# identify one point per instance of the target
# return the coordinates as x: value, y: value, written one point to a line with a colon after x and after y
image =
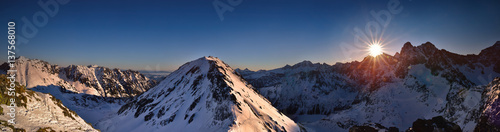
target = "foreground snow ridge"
x: 37, y: 111
x: 202, y: 95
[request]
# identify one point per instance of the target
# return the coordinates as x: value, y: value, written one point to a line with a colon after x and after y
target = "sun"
x: 375, y: 49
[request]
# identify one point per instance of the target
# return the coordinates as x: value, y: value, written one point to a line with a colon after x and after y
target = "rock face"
x: 202, y: 95
x: 37, y: 111
x: 92, y: 80
x: 434, y: 124
x: 418, y: 82
x: 490, y: 119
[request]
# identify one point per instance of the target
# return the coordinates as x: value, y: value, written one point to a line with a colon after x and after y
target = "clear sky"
x: 256, y: 34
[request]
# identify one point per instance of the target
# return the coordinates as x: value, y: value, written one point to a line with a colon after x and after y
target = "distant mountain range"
x: 92, y: 79
x: 421, y: 88
x: 418, y: 82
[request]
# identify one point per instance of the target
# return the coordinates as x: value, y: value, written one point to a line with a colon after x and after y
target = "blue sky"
x: 257, y: 34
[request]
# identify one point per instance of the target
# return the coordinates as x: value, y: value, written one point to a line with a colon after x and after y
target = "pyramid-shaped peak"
x: 211, y: 58
x: 202, y: 65
x: 407, y: 45
x: 207, y: 58
x: 202, y: 95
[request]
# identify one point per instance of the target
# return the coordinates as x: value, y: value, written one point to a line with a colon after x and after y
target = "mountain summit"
x: 202, y: 95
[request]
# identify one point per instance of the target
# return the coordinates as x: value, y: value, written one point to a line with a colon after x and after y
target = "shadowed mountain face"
x: 202, y: 95
x: 418, y: 82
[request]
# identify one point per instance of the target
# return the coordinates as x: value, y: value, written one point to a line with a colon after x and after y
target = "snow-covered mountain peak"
x: 202, y: 95
x: 203, y: 62
x: 211, y: 58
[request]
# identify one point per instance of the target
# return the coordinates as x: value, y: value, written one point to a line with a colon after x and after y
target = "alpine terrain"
x: 420, y: 82
x: 420, y: 88
x: 91, y: 80
x: 91, y: 91
x: 202, y: 95
x: 35, y: 111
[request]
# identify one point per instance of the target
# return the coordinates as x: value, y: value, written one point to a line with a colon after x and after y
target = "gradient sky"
x: 257, y: 34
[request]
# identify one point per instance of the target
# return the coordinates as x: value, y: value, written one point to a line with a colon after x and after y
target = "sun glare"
x: 375, y: 49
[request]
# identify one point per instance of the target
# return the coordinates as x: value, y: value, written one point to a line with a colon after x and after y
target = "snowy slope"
x: 420, y: 82
x: 93, y: 92
x: 203, y: 95
x: 400, y: 103
x: 286, y: 87
x: 91, y: 108
x: 37, y: 111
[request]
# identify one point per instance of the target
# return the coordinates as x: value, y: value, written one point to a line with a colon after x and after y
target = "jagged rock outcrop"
x: 93, y: 80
